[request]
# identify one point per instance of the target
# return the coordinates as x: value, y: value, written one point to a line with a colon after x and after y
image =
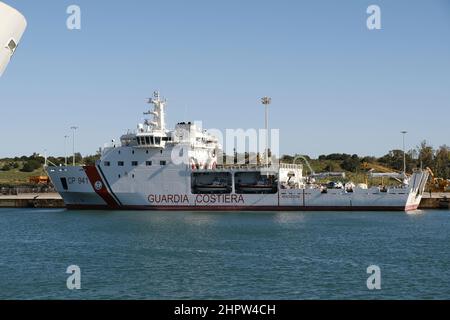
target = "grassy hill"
x: 357, y: 175
x: 17, y: 171
x: 16, y: 177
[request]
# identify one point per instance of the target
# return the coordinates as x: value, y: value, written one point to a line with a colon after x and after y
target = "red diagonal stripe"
x: 94, y: 179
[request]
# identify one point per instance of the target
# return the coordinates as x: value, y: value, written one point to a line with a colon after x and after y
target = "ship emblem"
x: 98, y: 185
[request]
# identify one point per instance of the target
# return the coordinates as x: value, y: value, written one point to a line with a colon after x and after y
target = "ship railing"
x: 271, y: 167
x: 245, y: 167
x: 291, y: 166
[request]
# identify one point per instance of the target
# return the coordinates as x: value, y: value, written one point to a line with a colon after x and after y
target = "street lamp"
x: 266, y: 101
x: 74, y: 128
x: 65, y: 149
x: 46, y: 159
x: 404, y: 151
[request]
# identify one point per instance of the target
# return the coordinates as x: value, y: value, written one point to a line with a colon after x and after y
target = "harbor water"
x: 187, y: 255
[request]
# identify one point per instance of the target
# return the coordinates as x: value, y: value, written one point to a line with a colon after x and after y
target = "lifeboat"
x: 217, y: 186
x: 260, y: 186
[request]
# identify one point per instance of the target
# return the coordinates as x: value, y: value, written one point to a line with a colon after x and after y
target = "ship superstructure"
x: 158, y: 169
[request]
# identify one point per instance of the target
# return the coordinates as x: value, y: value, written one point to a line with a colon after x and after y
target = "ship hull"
x: 241, y: 208
x: 93, y: 188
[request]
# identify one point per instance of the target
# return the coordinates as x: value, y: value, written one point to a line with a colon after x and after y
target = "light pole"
x: 45, y: 157
x: 266, y: 101
x: 404, y: 151
x: 65, y: 149
x: 74, y: 128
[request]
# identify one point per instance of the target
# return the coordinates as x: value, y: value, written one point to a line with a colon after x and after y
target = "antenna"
x: 73, y: 128
x: 158, y: 122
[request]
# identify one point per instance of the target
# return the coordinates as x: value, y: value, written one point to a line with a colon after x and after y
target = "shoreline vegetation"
x: 17, y: 171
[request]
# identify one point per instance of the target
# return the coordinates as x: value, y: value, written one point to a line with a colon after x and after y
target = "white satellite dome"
x: 12, y: 27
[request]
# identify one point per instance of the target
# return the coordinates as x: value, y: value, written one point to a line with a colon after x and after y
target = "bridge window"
x: 157, y: 140
x: 147, y: 140
x: 152, y: 140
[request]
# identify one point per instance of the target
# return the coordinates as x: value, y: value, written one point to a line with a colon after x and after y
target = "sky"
x: 336, y: 86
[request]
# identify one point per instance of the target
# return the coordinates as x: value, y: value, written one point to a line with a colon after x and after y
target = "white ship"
x: 12, y: 27
x: 141, y: 173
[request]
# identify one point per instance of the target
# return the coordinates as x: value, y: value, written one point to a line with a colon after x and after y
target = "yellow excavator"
x: 438, y: 184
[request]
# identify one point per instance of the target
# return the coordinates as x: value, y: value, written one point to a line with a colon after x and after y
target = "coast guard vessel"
x: 158, y: 169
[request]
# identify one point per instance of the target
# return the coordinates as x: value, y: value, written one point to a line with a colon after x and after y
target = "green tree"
x: 442, y: 162
x: 287, y: 158
x: 426, y: 155
x: 91, y: 160
x: 351, y: 164
x: 394, y: 160
x: 331, y: 166
x: 30, y: 166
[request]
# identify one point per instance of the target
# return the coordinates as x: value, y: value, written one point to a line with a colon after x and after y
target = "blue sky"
x: 335, y: 85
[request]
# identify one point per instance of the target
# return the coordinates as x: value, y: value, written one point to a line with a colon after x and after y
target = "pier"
x: 32, y: 200
x: 439, y: 200
x: 54, y: 200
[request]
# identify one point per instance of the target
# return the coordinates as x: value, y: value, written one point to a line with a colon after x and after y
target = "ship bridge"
x: 198, y: 148
x: 152, y: 133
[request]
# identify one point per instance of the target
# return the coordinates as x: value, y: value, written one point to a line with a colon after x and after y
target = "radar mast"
x: 158, y: 123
